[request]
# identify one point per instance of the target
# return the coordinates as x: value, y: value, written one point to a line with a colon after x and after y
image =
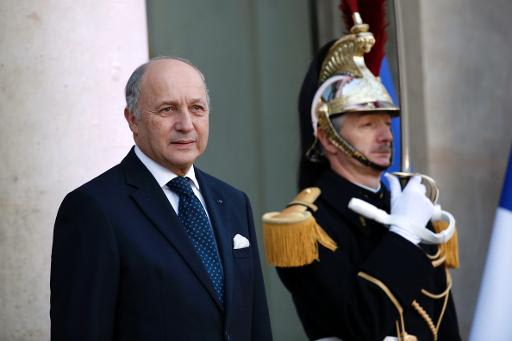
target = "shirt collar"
x: 161, y: 174
x: 368, y: 188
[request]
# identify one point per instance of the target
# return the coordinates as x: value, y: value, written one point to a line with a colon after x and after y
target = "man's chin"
x: 382, y: 162
x: 179, y: 161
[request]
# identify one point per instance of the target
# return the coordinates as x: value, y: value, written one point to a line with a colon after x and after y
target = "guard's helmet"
x: 347, y: 85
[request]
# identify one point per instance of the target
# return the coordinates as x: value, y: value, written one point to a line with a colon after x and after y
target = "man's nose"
x: 185, y: 121
x: 385, y: 133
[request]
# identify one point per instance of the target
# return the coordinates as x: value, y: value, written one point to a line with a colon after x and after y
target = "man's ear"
x: 132, y: 121
x: 328, y: 146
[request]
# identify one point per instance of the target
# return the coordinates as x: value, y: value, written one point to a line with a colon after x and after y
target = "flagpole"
x: 405, y: 163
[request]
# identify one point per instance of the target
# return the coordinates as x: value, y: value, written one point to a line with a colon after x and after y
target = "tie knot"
x: 180, y: 185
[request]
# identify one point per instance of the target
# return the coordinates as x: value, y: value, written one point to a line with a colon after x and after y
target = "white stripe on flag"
x: 493, y: 316
x: 493, y: 312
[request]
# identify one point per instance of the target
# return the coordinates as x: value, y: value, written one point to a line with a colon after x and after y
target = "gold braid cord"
x: 437, y: 259
x: 425, y: 316
x: 400, y: 325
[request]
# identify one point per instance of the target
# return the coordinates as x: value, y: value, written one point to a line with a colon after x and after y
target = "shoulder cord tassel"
x: 291, y: 236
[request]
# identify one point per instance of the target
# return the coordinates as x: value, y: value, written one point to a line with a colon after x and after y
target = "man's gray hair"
x: 132, y: 89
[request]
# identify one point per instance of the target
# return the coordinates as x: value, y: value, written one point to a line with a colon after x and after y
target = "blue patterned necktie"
x: 193, y: 216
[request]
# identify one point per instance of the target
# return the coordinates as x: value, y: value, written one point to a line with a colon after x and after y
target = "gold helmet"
x: 347, y: 85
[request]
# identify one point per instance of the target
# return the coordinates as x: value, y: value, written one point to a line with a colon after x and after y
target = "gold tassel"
x: 291, y: 237
x: 450, y: 249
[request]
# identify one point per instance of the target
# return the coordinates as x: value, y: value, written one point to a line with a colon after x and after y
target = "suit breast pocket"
x: 242, y: 259
x: 242, y: 253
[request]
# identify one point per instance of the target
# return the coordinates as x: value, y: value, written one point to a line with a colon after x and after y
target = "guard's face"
x: 173, y: 128
x: 370, y: 134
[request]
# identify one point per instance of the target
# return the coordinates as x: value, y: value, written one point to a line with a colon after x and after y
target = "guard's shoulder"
x: 306, y: 198
x: 291, y: 236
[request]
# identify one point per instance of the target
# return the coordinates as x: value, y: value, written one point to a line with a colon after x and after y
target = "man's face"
x: 173, y: 127
x: 370, y: 134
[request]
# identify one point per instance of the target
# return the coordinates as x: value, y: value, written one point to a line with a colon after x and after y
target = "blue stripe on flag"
x: 387, y: 80
x: 506, y: 194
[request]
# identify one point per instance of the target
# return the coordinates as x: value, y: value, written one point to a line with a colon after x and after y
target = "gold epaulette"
x: 450, y: 249
x: 291, y: 236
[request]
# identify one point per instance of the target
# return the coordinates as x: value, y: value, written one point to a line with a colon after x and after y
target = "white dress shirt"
x: 162, y: 175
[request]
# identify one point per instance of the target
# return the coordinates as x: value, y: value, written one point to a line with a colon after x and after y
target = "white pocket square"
x: 240, y: 242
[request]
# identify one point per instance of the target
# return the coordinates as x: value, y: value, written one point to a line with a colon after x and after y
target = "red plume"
x: 373, y: 13
x: 347, y: 7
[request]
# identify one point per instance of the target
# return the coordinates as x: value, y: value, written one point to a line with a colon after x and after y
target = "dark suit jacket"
x: 123, y: 267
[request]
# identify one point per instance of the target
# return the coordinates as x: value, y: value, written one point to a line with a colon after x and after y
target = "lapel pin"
x: 219, y: 201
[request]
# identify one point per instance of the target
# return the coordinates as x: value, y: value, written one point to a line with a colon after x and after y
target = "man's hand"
x: 410, y: 208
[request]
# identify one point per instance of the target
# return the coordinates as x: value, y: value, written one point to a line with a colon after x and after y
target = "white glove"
x: 411, y: 210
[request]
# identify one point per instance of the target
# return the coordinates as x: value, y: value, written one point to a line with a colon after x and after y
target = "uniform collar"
x: 338, y: 191
x: 336, y: 194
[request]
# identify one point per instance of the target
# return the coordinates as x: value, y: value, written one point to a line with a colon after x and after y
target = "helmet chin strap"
x: 342, y: 144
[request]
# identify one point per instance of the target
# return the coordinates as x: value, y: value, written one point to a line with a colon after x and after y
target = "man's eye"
x: 169, y: 108
x: 197, y: 107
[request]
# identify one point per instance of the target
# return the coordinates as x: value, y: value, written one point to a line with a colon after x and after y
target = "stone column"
x: 63, y: 66
x: 468, y: 83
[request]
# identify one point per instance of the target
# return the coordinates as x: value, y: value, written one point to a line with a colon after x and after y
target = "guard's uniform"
x: 357, y: 291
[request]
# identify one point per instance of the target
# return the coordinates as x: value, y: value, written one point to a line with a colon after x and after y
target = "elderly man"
x: 379, y: 283
x: 154, y: 248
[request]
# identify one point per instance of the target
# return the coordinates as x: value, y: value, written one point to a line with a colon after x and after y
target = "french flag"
x: 492, y: 320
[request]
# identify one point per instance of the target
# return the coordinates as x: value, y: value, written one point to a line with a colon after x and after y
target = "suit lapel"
x: 216, y: 204
x: 152, y: 201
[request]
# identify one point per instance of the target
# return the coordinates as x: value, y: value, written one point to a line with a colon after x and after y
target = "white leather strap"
x: 428, y: 237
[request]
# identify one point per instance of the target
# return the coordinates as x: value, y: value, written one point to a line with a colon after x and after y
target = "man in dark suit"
x: 154, y: 248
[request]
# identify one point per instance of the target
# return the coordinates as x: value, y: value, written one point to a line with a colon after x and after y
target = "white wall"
x: 63, y: 66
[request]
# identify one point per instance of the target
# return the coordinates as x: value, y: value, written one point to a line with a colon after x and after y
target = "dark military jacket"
x: 358, y: 291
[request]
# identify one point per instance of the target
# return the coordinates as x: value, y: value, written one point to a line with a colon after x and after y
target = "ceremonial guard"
x: 377, y: 270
